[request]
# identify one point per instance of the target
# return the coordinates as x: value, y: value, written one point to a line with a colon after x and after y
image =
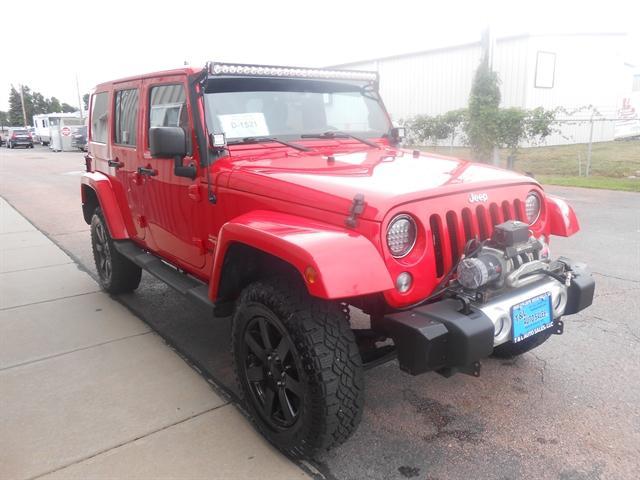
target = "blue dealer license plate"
x: 531, y: 317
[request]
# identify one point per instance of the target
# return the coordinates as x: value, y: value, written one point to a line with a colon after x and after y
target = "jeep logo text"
x: 478, y: 197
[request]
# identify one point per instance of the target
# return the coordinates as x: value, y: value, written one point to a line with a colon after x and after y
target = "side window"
x: 126, y: 117
x: 545, y: 70
x: 99, y: 118
x: 168, y: 108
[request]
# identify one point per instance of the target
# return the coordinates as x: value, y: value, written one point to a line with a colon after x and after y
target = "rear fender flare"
x: 563, y: 220
x: 103, y: 189
x: 347, y: 263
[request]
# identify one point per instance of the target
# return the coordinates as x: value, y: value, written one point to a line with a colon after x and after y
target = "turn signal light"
x: 310, y: 275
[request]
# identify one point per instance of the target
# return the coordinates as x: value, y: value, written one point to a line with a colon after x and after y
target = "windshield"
x: 290, y: 108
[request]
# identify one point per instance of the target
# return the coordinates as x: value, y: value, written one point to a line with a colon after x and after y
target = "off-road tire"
x: 123, y: 275
x: 326, y: 355
x: 510, y: 349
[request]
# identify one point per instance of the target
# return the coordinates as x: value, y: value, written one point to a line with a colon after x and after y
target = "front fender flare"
x: 562, y: 218
x: 103, y: 189
x: 347, y: 263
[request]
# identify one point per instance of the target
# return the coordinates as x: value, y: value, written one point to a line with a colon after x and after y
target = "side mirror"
x: 397, y: 134
x: 167, y: 142
x: 171, y: 142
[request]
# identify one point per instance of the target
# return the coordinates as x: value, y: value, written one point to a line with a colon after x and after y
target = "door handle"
x: 150, y: 172
x: 115, y: 163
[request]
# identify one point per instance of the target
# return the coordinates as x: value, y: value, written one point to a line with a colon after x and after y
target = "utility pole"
x: 79, y: 99
x: 24, y: 110
x: 488, y: 48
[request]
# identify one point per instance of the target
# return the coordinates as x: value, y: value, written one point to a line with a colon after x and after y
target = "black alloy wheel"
x: 103, y: 253
x: 271, y: 370
x: 116, y: 273
x: 298, y: 366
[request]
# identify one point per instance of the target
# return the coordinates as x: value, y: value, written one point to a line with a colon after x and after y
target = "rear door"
x: 173, y: 205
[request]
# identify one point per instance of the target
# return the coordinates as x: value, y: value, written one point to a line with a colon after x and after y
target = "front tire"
x: 298, y: 367
x: 510, y: 349
x: 116, y: 273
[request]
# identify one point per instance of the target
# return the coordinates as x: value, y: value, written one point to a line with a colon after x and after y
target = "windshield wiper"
x: 340, y: 134
x: 268, y: 139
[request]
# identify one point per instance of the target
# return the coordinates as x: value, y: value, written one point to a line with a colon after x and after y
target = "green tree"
x: 54, y: 105
x: 40, y: 103
x: 66, y: 108
x: 15, y: 108
x: 425, y: 128
x: 540, y: 124
x: 482, y: 124
x: 512, y: 128
x: 4, y: 119
x: 85, y: 101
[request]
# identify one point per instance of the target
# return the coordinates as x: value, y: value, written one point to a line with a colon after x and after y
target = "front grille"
x: 451, y: 233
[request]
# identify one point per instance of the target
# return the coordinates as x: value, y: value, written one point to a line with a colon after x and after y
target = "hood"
x: 386, y: 177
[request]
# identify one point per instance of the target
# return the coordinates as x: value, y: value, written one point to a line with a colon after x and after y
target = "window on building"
x: 168, y: 108
x: 545, y: 70
x: 99, y: 117
x: 636, y: 84
x: 126, y: 117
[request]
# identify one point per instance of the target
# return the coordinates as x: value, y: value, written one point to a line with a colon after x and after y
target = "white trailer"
x: 43, y: 123
x: 62, y: 130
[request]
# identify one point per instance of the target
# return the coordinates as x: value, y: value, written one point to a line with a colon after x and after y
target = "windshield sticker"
x: 241, y: 125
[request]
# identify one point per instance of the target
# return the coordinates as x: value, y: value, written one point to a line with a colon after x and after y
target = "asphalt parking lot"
x: 569, y: 410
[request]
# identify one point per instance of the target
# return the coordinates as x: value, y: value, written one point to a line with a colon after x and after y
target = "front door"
x: 174, y: 206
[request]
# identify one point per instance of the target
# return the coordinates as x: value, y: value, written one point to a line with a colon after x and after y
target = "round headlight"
x: 532, y: 207
x: 401, y: 235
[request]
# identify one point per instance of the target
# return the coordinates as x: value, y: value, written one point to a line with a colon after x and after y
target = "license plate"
x: 531, y: 317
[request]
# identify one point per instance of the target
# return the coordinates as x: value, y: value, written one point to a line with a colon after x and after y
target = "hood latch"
x: 357, y: 207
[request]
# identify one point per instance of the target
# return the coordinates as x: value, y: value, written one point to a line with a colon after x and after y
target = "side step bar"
x: 183, y: 283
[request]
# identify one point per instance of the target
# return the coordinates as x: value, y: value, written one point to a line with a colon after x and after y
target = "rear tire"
x: 298, y: 367
x: 117, y: 274
x: 510, y: 349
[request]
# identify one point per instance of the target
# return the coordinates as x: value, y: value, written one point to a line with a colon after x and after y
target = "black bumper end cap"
x: 581, y: 289
x: 439, y: 337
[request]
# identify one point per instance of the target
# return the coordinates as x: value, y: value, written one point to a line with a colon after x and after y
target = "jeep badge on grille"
x: 478, y: 197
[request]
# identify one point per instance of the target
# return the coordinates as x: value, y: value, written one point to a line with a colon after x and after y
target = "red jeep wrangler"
x: 280, y: 195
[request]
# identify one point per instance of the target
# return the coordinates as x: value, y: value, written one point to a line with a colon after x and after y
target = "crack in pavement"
x: 542, y: 373
x: 616, y: 278
x: 127, y: 442
x: 583, y: 321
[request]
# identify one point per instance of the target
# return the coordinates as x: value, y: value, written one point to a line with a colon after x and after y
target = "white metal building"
x: 568, y: 70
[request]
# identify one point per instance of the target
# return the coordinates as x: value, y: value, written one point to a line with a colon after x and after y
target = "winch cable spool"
x: 442, y: 286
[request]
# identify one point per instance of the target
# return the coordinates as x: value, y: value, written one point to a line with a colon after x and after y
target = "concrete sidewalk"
x: 88, y: 391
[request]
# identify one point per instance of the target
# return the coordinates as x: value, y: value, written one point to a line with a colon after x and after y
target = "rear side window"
x: 168, y: 108
x: 126, y: 117
x: 99, y: 117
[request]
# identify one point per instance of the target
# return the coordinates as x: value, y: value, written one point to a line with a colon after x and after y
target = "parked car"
x: 19, y: 137
x: 79, y: 138
x: 281, y: 196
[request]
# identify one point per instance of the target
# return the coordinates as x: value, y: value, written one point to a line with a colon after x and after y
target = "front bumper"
x: 447, y: 337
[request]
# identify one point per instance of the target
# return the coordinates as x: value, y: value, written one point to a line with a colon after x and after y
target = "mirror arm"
x: 180, y: 170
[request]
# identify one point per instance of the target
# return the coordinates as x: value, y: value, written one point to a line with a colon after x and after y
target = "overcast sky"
x: 49, y: 42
